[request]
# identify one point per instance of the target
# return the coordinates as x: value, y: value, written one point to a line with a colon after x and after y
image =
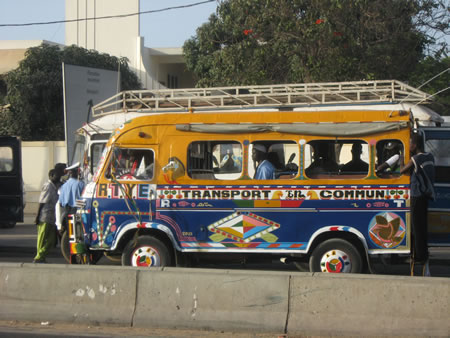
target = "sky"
x: 178, y: 25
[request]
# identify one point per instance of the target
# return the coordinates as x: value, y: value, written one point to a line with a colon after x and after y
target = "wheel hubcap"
x: 335, y: 261
x: 145, y: 256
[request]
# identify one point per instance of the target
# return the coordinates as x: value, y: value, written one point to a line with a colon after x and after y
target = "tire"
x: 65, y: 246
x: 336, y: 256
x: 113, y: 258
x: 302, y: 266
x: 146, y: 251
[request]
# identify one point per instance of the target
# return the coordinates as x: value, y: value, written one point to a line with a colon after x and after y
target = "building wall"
x: 120, y: 37
x: 13, y: 51
x: 115, y: 36
x: 37, y: 159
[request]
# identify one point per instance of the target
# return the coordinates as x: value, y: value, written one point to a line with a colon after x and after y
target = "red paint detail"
x: 253, y: 245
x: 274, y: 245
x: 337, y: 268
x: 334, y: 228
x: 247, y: 229
x: 291, y: 204
x: 298, y: 245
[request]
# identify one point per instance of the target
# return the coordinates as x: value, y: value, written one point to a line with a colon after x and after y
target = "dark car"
x: 11, y: 183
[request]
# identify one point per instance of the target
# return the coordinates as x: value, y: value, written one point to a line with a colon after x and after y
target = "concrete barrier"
x: 373, y: 305
x: 236, y: 300
x: 67, y: 293
x: 212, y: 299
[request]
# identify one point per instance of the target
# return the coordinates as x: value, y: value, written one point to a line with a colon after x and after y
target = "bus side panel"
x: 439, y: 217
x: 437, y: 141
x: 285, y: 219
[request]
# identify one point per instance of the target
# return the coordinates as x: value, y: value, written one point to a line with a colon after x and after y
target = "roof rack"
x: 247, y: 97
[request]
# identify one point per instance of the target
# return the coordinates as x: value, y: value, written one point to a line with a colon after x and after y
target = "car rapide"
x: 174, y: 185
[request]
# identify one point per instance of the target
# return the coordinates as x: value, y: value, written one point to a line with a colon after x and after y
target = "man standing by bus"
x: 45, y: 218
x: 70, y: 192
x: 421, y: 168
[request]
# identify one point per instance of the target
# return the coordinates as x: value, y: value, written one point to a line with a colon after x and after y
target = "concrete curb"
x: 231, y: 300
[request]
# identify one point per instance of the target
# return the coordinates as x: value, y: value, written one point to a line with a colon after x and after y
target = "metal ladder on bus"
x: 283, y: 96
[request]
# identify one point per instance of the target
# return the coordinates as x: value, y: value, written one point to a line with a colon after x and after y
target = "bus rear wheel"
x: 336, y: 256
x: 146, y: 251
x: 65, y: 246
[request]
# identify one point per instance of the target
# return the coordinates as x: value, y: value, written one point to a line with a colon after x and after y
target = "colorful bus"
x: 176, y: 186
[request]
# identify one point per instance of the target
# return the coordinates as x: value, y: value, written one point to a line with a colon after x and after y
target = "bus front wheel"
x: 146, y: 251
x: 336, y: 256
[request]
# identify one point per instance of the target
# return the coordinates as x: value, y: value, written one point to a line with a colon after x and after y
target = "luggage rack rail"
x: 270, y: 96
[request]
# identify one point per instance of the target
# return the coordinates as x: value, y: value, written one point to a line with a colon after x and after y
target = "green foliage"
x: 425, y: 71
x: 35, y: 89
x: 287, y: 41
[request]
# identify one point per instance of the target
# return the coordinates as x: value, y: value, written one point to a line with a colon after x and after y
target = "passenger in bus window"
x: 132, y: 164
x: 264, y: 170
x: 356, y: 165
x: 391, y: 153
x: 322, y: 161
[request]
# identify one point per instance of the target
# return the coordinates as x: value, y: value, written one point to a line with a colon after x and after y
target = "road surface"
x: 19, y: 245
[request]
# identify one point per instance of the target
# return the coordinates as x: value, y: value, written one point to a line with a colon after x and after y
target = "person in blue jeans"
x: 264, y: 169
x: 421, y: 169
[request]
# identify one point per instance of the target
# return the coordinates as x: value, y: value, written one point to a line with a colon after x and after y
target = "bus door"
x: 11, y: 184
x: 437, y: 142
x: 123, y: 197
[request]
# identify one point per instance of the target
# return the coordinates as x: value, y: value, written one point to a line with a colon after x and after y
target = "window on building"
x: 221, y: 160
x: 172, y: 81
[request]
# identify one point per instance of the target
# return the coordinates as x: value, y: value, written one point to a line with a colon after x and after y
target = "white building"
x: 120, y: 36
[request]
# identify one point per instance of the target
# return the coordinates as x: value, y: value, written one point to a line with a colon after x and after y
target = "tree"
x: 433, y: 76
x: 287, y: 41
x: 35, y: 89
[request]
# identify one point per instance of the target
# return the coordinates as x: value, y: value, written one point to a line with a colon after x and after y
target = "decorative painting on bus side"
x: 387, y: 230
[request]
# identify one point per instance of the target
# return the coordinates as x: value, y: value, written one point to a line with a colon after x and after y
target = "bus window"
x: 388, y: 158
x: 440, y: 148
x: 273, y: 160
x: 78, y: 149
x: 215, y: 160
x: 96, y: 154
x: 132, y: 164
x: 337, y: 159
x: 6, y: 159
